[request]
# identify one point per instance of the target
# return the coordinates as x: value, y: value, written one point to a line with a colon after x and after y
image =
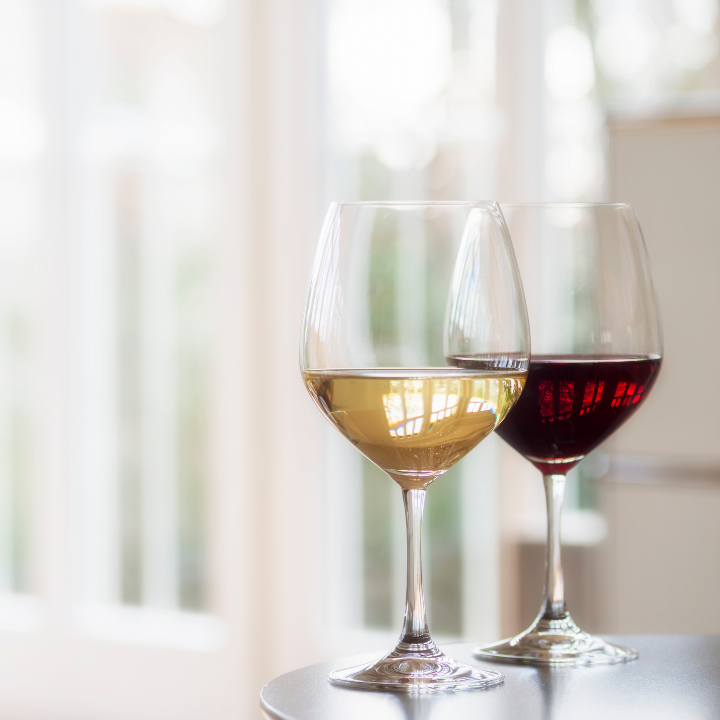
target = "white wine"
x: 414, y: 424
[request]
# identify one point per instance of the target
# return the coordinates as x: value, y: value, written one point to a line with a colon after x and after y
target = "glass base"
x: 556, y: 642
x: 416, y: 669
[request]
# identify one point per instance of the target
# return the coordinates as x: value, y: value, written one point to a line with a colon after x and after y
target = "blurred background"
x: 178, y: 524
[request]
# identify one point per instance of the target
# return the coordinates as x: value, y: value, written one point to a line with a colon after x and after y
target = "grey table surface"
x: 676, y: 678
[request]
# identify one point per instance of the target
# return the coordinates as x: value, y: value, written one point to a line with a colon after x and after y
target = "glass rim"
x: 417, y: 203
x: 561, y: 205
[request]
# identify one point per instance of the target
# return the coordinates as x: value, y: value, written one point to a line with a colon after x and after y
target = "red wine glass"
x: 596, y: 353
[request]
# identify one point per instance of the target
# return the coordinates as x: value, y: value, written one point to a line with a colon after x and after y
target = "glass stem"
x: 554, y: 601
x: 415, y: 628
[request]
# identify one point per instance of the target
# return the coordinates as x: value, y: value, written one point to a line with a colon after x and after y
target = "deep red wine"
x: 571, y: 403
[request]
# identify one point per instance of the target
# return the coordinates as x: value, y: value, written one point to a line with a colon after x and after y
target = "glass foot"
x: 416, y: 669
x: 556, y: 642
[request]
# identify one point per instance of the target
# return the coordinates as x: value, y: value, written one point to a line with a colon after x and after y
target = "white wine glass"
x: 597, y: 351
x: 396, y: 290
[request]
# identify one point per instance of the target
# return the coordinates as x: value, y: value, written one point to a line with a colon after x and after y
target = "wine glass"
x: 397, y: 288
x: 597, y: 347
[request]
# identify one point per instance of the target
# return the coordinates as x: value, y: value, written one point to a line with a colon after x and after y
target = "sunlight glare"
x: 389, y: 61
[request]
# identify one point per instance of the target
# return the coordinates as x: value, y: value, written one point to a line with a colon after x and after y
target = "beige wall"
x: 669, y: 171
x: 660, y: 569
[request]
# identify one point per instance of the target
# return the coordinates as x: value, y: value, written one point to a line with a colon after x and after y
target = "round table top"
x: 677, y: 676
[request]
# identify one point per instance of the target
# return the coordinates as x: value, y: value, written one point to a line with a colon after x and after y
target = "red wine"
x: 571, y: 403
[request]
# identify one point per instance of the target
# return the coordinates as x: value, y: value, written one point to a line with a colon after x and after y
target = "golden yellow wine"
x: 414, y: 424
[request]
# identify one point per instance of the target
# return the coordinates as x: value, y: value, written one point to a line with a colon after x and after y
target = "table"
x: 676, y: 678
